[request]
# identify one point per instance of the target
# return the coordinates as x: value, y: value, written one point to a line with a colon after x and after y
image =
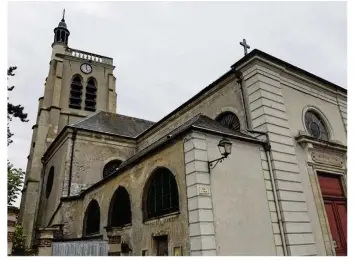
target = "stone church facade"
x: 126, y: 186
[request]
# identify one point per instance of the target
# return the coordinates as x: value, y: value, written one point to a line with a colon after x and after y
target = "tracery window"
x: 91, y: 94
x: 75, y: 92
x: 230, y: 120
x: 315, y: 125
x: 162, y: 194
x: 119, y: 210
x: 92, y: 218
x: 111, y: 167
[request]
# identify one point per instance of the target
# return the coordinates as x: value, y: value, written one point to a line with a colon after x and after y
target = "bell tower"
x: 78, y: 84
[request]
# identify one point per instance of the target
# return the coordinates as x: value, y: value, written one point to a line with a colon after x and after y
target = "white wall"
x: 241, y: 214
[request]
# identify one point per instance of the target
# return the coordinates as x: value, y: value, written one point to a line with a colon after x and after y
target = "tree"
x: 14, y: 175
x: 14, y: 182
x: 18, y: 241
x: 13, y: 111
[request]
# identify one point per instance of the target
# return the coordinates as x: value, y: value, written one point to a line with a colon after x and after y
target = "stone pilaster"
x: 200, y: 209
x: 114, y: 242
x: 45, y: 239
x: 268, y: 114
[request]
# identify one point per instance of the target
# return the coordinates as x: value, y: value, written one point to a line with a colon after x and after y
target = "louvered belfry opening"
x: 75, y: 93
x: 91, y: 94
x: 162, y: 194
x: 92, y: 219
x: 230, y: 120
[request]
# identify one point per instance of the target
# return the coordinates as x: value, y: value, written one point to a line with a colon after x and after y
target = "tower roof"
x: 62, y: 23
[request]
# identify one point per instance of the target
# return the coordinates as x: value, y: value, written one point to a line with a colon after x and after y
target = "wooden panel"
x: 330, y: 185
x: 333, y: 223
x: 342, y: 212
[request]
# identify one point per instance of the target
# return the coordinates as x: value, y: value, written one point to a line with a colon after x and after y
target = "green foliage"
x: 18, y: 241
x: 13, y: 111
x: 14, y: 182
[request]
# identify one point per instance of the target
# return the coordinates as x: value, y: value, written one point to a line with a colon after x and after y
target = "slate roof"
x: 112, y: 123
x: 197, y: 122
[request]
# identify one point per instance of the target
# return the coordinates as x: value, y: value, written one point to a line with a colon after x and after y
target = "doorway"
x: 161, y: 243
x: 335, y: 203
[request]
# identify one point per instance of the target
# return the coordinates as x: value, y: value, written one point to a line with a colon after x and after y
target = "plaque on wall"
x: 177, y: 251
x: 329, y: 159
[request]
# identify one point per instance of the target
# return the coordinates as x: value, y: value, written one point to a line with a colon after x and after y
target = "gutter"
x: 267, y: 148
x: 73, y: 138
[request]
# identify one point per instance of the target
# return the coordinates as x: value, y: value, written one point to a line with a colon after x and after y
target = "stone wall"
x: 225, y: 96
x: 139, y: 235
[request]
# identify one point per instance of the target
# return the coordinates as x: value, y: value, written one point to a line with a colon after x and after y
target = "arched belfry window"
x: 75, y: 92
x: 111, y: 167
x: 160, y: 194
x: 315, y: 125
x: 92, y: 219
x: 229, y: 120
x: 91, y: 94
x: 50, y: 180
x: 120, y: 214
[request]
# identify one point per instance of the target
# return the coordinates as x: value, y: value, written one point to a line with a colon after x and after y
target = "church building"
x: 254, y: 164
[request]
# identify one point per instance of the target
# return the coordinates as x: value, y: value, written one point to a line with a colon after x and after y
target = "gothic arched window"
x: 111, y: 167
x: 50, y: 180
x: 75, y: 92
x: 315, y: 125
x: 161, y: 194
x: 92, y: 219
x: 119, y: 209
x: 91, y: 94
x: 230, y: 120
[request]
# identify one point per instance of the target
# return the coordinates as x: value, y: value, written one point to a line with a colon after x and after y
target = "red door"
x: 336, y: 209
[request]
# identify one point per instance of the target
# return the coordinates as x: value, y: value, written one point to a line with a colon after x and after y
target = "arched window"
x: 91, y: 93
x: 49, y: 185
x: 161, y: 195
x: 75, y: 93
x: 92, y: 219
x: 120, y: 213
x: 230, y: 120
x: 315, y: 125
x: 111, y: 167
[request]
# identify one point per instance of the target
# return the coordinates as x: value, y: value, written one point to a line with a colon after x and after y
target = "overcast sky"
x: 166, y: 52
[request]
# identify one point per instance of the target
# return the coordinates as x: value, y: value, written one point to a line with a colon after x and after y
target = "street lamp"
x: 225, y: 149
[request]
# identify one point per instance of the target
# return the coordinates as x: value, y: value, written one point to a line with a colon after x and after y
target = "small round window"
x: 49, y: 182
x: 315, y: 125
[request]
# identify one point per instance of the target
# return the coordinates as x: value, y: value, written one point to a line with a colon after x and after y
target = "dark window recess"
x: 91, y: 94
x: 33, y: 144
x: 75, y: 93
x: 315, y: 126
x: 161, y: 243
x: 162, y: 194
x: 92, y: 219
x: 111, y: 167
x: 230, y: 120
x: 119, y: 210
x: 50, y: 180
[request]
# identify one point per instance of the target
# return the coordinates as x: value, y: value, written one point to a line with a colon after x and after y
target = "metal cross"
x: 63, y: 14
x: 245, y: 46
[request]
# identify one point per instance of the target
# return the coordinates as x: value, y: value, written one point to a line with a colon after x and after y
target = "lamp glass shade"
x: 225, y: 147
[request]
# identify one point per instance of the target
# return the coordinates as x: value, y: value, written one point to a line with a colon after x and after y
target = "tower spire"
x: 61, y: 33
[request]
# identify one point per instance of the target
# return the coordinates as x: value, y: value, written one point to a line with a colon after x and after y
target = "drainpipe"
x: 73, y: 138
x: 240, y: 80
x: 267, y: 148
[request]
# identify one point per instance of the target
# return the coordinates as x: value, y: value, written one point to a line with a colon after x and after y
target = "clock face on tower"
x: 86, y: 68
